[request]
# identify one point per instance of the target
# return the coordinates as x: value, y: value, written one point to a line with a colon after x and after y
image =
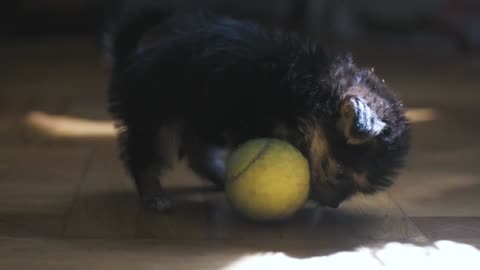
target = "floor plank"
x: 459, y: 229
x: 37, y: 188
x: 442, y: 177
x: 189, y: 218
x: 363, y: 219
x: 106, y: 205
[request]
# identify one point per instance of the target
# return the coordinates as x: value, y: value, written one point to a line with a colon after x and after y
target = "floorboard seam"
x: 78, y: 189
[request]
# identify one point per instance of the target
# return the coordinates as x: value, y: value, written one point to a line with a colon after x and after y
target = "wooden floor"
x: 66, y: 203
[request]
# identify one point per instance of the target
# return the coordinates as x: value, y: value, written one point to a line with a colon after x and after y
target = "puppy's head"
x: 358, y: 139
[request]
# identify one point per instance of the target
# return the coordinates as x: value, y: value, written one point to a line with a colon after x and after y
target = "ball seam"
x: 260, y: 153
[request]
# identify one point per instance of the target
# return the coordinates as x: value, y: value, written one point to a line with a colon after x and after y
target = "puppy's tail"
x: 124, y: 33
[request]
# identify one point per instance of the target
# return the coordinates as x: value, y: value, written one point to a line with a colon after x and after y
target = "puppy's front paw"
x: 158, y: 203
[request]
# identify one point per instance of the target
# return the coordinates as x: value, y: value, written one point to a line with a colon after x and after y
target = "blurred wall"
x: 457, y: 20
x: 41, y: 16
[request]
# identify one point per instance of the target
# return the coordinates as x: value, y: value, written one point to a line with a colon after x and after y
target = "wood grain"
x: 37, y: 188
x: 106, y: 205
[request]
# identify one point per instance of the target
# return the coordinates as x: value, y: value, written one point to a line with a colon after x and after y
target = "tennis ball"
x: 267, y: 179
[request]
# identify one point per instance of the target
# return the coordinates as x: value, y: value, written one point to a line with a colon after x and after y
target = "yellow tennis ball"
x: 267, y: 179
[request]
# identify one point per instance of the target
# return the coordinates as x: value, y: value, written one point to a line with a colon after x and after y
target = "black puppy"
x: 215, y: 82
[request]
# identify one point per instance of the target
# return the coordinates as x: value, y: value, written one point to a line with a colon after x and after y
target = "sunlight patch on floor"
x: 418, y: 115
x: 68, y: 126
x: 440, y: 255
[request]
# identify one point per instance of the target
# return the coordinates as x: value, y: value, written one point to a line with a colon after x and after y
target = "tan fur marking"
x: 331, y: 170
x: 353, y: 140
x: 361, y: 179
x: 346, y: 119
x: 319, y: 151
x: 318, y: 145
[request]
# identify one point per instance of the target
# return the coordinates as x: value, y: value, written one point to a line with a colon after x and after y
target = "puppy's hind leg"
x: 146, y: 164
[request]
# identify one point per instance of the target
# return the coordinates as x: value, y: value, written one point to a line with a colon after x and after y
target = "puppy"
x: 210, y: 83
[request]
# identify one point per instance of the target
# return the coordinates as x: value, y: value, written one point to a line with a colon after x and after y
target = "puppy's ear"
x: 358, y: 122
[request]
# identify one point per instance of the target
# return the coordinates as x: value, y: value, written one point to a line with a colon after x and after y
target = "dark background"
x: 447, y: 24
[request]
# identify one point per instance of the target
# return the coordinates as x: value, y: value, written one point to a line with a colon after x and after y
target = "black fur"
x: 218, y: 82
